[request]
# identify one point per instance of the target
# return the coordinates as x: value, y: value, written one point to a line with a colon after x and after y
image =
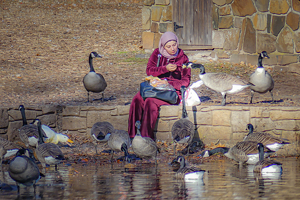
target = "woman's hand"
x: 171, y: 67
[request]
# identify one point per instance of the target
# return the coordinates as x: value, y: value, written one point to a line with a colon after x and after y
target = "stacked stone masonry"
x: 212, y: 123
x: 240, y: 27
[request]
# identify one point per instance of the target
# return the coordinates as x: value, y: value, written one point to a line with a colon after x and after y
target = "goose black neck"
x: 138, y: 132
x: 261, y: 151
x: 260, y: 59
x: 41, y: 140
x: 91, y: 64
x: 23, y: 116
x: 184, y: 113
x: 250, y: 128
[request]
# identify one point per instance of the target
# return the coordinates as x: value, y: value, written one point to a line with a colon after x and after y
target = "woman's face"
x: 171, y: 47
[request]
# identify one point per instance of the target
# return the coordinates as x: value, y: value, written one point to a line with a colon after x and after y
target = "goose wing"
x: 264, y: 138
x: 220, y: 81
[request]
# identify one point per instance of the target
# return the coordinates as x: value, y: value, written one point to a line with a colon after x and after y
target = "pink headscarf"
x: 165, y: 38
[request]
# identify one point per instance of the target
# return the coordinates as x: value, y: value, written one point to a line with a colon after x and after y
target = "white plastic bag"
x: 191, y: 97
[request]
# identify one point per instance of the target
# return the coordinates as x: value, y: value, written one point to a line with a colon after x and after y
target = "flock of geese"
x: 23, y: 168
x: 260, y: 80
x: 42, y: 141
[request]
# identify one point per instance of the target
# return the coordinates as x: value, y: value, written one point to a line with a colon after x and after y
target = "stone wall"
x: 241, y: 29
x: 213, y: 123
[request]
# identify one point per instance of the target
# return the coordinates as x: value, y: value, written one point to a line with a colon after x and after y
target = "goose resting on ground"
x: 262, y: 81
x: 94, y: 82
x: 219, y: 82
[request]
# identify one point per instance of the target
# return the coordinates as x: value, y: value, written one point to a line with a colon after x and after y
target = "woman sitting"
x: 168, y: 69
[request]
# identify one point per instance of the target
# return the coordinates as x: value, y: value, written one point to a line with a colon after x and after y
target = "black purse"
x: 148, y: 90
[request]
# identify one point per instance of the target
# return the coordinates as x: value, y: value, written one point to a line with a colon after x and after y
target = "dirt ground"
x: 45, y: 47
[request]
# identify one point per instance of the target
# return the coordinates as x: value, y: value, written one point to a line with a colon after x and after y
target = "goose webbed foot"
x: 106, y: 99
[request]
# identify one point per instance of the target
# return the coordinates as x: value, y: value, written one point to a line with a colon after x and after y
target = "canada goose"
x: 266, y: 166
x: 271, y: 142
x: 55, y: 138
x: 28, y: 133
x: 220, y: 82
x: 144, y: 147
x: 100, y: 132
x: 262, y: 81
x: 7, y: 149
x: 23, y: 169
x: 47, y: 153
x: 94, y: 82
x: 183, y: 129
x: 188, y: 173
x: 246, y: 152
x: 119, y: 140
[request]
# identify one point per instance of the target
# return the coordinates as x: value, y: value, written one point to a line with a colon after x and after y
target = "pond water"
x: 224, y: 180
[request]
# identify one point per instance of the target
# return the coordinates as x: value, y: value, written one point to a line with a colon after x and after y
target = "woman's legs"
x: 135, y: 113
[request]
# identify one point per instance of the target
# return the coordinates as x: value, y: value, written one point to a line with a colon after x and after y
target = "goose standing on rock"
x: 144, y: 147
x: 23, y: 169
x: 183, y: 129
x: 119, y: 140
x: 262, y: 81
x: 101, y: 132
x: 48, y: 153
x: 220, y: 82
x: 268, y: 140
x: 29, y: 133
x: 266, y: 166
x: 94, y: 82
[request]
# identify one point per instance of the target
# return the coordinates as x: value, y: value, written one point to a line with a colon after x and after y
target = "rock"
x: 232, y: 37
x: 296, y: 5
x: 218, y: 39
x: 249, y: 44
x: 156, y: 13
x: 277, y: 24
x: 262, y: 5
x: 292, y: 20
x: 279, y: 6
x: 215, y: 17
x: 147, y: 38
x: 297, y: 42
x: 243, y: 8
x: 154, y: 27
x: 225, y: 22
x: 284, y: 42
x: 220, y: 2
x: 265, y: 42
x: 260, y: 21
x: 225, y: 10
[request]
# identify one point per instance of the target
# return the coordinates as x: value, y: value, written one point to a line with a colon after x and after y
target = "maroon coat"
x: 147, y: 110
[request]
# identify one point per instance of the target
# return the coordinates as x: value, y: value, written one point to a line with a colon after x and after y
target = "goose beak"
x: 70, y: 141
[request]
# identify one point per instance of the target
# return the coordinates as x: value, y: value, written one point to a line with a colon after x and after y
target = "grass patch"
x: 136, y: 60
